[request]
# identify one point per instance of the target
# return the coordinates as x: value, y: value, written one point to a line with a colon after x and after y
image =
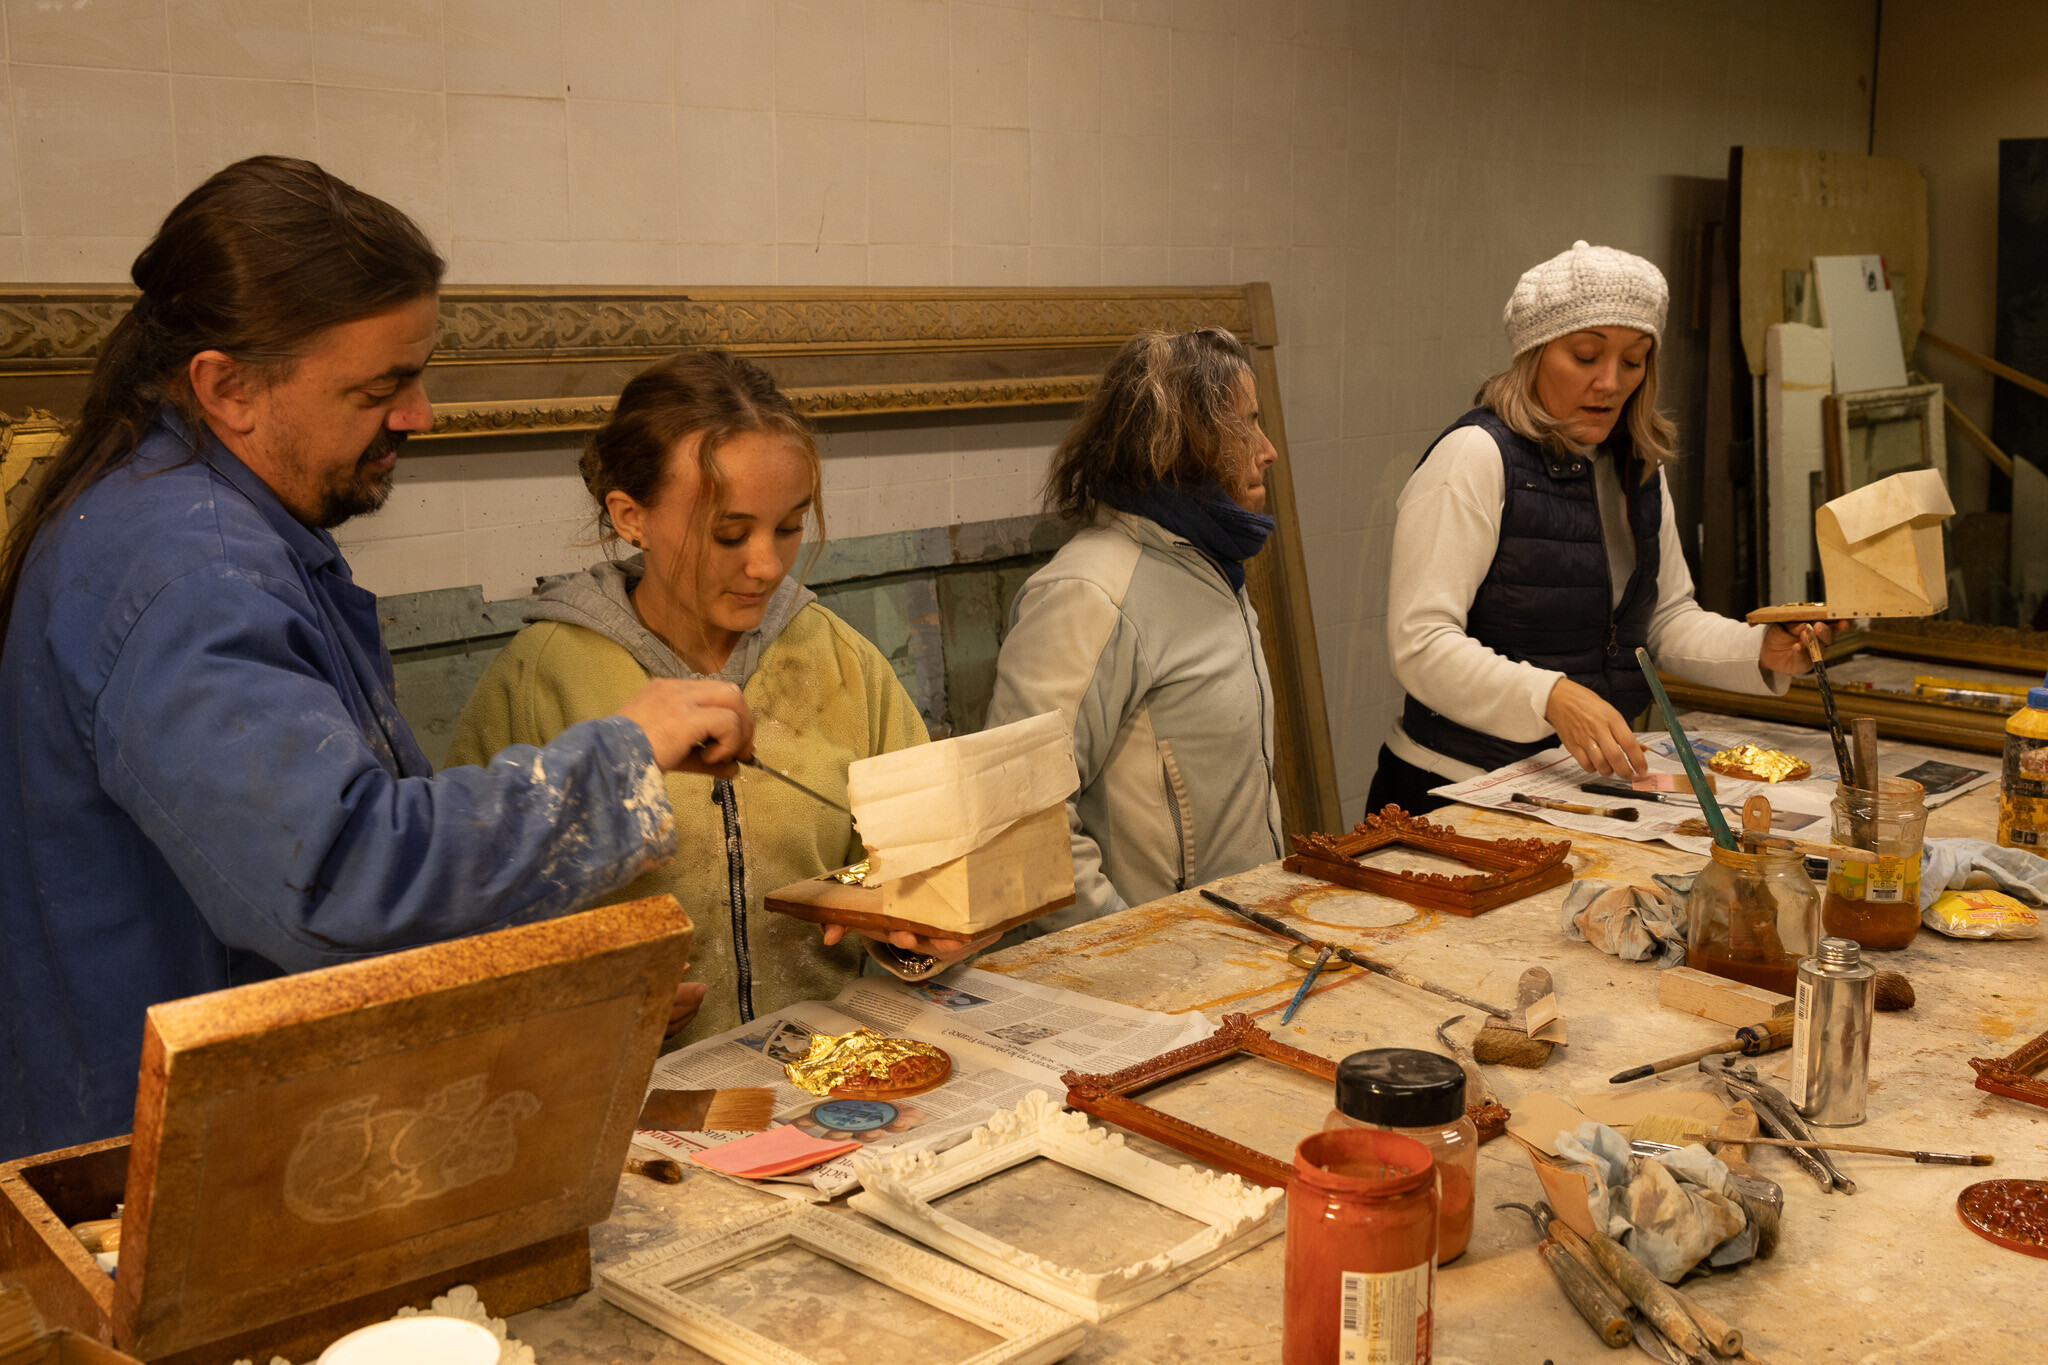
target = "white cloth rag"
x: 1634, y: 923
x: 1947, y: 864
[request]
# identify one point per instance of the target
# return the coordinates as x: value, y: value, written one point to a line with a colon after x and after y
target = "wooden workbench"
x: 1887, y: 1275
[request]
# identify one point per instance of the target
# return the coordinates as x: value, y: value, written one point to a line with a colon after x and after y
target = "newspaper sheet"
x: 1798, y: 809
x: 1006, y: 1037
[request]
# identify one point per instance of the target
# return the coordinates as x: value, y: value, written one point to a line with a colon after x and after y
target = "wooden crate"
x: 314, y: 1152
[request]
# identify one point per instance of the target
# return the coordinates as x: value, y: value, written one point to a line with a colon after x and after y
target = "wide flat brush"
x: 747, y: 1110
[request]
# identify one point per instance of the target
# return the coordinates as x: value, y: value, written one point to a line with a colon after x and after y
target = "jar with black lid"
x: 1420, y: 1095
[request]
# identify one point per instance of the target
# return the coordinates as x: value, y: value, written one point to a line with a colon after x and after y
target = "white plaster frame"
x: 654, y: 1286
x: 899, y: 1187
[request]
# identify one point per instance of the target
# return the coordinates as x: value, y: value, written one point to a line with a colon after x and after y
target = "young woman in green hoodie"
x: 709, y: 473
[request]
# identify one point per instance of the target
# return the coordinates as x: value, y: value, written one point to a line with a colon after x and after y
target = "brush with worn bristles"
x: 1681, y: 1130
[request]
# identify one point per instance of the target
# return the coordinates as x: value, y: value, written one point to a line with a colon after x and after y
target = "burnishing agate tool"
x: 1709, y: 807
x: 1623, y: 1280
x: 1274, y: 926
x: 758, y: 766
x: 1602, y: 1312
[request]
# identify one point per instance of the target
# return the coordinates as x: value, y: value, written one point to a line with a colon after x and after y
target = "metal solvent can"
x: 1831, y: 1034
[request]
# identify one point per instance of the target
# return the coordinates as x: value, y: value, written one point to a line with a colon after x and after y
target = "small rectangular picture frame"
x: 653, y: 1285
x: 1504, y: 870
x: 2016, y: 1075
x: 898, y: 1189
x: 1108, y: 1096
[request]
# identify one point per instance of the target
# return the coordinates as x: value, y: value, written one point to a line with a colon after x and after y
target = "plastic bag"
x: 1981, y: 914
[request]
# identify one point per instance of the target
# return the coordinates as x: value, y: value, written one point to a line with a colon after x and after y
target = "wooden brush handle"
x: 1720, y: 1333
x: 1585, y: 1294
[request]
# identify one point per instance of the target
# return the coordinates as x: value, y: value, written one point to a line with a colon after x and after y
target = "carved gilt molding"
x: 68, y: 323
x: 845, y: 400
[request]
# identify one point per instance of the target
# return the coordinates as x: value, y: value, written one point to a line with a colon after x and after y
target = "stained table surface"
x: 1889, y: 1274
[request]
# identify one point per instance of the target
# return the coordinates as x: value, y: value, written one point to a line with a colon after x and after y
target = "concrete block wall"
x: 1389, y: 165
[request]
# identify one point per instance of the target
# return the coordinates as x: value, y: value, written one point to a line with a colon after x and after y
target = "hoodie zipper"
x: 736, y: 890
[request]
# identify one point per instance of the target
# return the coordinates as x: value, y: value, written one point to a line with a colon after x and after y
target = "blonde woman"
x: 710, y: 474
x: 1139, y: 631
x: 1535, y: 550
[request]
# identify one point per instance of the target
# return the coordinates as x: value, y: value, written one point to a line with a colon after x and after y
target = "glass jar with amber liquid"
x: 1877, y: 904
x: 1751, y: 917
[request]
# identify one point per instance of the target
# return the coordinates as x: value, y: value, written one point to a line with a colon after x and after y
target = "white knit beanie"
x: 1588, y: 286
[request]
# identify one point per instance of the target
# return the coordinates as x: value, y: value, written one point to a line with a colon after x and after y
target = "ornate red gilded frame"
x: 1108, y: 1096
x: 1507, y: 869
x: 2016, y: 1076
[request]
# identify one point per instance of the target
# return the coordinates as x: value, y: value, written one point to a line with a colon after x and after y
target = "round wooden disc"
x: 911, y: 1076
x: 2012, y: 1213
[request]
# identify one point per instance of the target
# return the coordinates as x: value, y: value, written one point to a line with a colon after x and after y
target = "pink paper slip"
x: 775, y: 1152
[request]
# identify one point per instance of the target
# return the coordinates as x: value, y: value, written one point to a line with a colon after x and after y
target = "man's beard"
x: 356, y: 491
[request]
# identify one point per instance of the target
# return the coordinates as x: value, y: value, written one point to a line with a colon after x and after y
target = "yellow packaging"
x: 1981, y: 914
x: 2023, y: 781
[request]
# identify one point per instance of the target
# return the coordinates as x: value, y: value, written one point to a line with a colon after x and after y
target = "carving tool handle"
x: 1721, y: 1334
x: 1585, y: 1294
x: 1652, y: 1295
x: 1709, y: 808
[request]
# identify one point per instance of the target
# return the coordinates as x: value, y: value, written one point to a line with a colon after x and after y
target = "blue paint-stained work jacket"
x: 204, y: 781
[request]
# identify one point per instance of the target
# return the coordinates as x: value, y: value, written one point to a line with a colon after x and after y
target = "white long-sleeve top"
x: 1446, y: 532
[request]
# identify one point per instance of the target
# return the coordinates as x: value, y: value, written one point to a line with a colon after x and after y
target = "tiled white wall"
x: 1389, y: 165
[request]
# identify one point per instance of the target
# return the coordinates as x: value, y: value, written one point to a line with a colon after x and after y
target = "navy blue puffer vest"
x: 1547, y: 599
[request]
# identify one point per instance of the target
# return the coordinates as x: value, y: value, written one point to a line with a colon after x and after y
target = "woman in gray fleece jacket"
x: 1139, y: 631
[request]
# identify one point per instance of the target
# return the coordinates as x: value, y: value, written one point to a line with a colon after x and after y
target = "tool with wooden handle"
x: 1606, y: 1317
x: 1722, y: 1335
x: 1756, y: 837
x: 1679, y: 1130
x: 1751, y: 1040
x: 1652, y: 1296
x: 1274, y: 926
x: 1624, y: 1273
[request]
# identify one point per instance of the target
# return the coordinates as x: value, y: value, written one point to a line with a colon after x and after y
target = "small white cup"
x: 415, y: 1341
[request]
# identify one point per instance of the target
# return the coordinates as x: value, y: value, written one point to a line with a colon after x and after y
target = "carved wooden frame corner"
x: 1108, y: 1097
x: 2017, y: 1075
x: 1506, y: 869
x: 654, y: 1286
x: 899, y: 1187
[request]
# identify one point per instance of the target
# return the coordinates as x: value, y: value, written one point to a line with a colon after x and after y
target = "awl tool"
x: 758, y: 766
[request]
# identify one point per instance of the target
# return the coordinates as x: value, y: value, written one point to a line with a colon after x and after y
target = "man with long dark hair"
x: 208, y: 781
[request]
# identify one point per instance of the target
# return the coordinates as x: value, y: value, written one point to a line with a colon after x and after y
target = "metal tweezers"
x: 1779, y: 1118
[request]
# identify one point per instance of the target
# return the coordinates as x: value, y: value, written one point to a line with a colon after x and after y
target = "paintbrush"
x: 1608, y: 787
x: 1827, y: 703
x: 1322, y: 961
x: 1709, y: 807
x: 747, y: 1110
x: 1680, y: 1130
x: 1753, y: 1040
x: 658, y: 1168
x: 1575, y: 808
x: 758, y: 766
x: 1274, y: 926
